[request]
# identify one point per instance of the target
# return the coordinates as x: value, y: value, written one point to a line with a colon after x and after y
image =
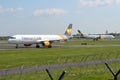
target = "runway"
x: 12, y: 47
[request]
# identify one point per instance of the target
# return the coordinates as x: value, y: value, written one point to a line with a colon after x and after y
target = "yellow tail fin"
x: 68, y: 31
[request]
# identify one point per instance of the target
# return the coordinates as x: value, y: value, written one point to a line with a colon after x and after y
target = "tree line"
x: 4, y: 37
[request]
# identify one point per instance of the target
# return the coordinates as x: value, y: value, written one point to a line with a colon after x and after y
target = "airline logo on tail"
x: 68, y: 31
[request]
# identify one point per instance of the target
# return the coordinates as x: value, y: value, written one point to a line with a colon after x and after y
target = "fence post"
x: 114, y: 75
x: 21, y: 72
x: 49, y: 74
x: 60, y: 78
x: 62, y: 75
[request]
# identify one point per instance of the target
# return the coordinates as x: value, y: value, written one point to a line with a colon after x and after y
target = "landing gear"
x: 37, y: 46
x: 49, y: 46
x: 16, y: 46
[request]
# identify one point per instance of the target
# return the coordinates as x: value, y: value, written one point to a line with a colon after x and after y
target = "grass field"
x: 44, y: 56
x: 91, y: 42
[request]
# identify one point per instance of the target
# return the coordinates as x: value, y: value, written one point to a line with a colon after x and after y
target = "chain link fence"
x: 89, y: 67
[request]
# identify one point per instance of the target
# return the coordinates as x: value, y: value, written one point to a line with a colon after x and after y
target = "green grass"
x: 30, y: 57
x: 45, y: 56
x: 91, y: 42
x: 97, y: 72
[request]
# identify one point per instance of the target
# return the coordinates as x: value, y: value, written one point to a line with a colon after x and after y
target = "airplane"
x: 95, y: 36
x: 40, y: 40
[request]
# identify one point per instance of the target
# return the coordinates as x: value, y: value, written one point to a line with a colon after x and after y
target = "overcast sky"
x: 53, y: 16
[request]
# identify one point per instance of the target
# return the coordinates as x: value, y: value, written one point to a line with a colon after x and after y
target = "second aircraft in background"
x: 95, y: 36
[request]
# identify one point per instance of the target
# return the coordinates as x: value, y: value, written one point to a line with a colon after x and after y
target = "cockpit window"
x: 12, y: 38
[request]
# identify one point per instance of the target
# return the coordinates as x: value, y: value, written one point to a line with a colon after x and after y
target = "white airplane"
x: 95, y: 36
x: 40, y: 40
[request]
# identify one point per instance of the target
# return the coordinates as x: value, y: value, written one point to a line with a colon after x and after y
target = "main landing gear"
x: 16, y: 46
x: 37, y: 46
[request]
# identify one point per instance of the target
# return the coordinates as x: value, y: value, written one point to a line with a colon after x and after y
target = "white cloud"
x: 118, y: 2
x: 20, y: 9
x: 10, y: 10
x: 99, y: 2
x: 52, y: 11
x: 14, y: 10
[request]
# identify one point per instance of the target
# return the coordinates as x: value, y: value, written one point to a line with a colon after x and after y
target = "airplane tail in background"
x: 68, y: 31
x: 80, y: 32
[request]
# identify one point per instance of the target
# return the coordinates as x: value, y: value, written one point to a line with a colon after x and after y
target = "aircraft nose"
x: 9, y: 40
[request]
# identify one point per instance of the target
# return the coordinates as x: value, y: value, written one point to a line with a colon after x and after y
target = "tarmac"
x: 12, y: 47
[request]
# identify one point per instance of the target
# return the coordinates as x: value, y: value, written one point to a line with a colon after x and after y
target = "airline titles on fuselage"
x: 30, y: 38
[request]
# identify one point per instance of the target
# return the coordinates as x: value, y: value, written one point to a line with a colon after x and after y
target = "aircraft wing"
x: 46, y: 40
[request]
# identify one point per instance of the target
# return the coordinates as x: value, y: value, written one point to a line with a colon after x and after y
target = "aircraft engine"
x: 101, y: 37
x: 27, y: 44
x: 47, y: 44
